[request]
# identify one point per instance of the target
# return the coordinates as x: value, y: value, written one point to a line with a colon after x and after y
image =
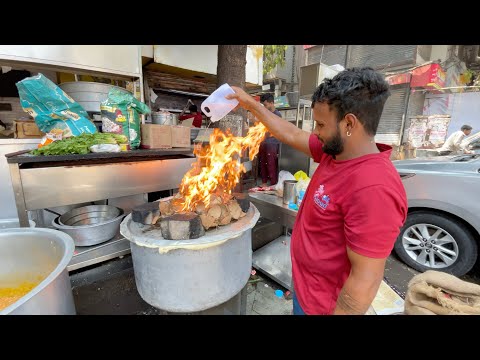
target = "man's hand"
x: 245, y: 100
x: 361, y: 286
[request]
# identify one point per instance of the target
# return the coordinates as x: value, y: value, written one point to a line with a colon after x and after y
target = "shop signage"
x: 428, y: 132
x: 430, y: 76
x: 398, y: 79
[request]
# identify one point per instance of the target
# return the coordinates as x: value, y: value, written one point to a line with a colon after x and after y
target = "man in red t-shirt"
x: 355, y: 204
x: 197, y: 116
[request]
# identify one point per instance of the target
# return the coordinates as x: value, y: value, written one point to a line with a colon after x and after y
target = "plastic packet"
x: 300, y: 189
x: 301, y: 175
x: 52, y: 108
x: 51, y: 136
x: 282, y: 176
x: 105, y: 148
x: 121, y: 115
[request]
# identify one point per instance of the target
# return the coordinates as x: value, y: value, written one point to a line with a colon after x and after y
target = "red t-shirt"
x: 359, y: 203
x: 197, y: 119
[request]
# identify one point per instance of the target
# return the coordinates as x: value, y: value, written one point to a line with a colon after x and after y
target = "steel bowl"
x: 89, y: 215
x: 94, y: 234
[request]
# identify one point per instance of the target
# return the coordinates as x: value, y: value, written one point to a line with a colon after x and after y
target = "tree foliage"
x: 273, y: 55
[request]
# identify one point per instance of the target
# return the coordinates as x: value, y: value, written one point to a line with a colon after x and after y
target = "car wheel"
x: 428, y: 241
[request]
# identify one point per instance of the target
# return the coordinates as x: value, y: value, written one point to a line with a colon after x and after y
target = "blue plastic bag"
x: 52, y: 108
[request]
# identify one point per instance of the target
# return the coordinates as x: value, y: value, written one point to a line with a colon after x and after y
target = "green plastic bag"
x: 121, y: 115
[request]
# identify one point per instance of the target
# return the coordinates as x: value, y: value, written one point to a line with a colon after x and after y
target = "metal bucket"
x: 29, y: 253
x: 289, y: 194
x: 160, y: 118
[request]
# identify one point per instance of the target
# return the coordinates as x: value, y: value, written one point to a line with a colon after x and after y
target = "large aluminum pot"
x: 197, y: 276
x: 89, y: 94
x: 29, y: 253
x: 185, y: 280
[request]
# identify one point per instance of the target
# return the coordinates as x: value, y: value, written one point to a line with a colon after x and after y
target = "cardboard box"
x: 181, y: 136
x: 156, y: 136
x: 26, y: 130
x: 165, y: 136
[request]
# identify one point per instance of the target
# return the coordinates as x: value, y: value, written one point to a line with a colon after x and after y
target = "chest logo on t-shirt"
x: 320, y: 198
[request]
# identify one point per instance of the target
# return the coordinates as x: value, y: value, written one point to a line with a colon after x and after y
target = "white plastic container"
x: 216, y: 106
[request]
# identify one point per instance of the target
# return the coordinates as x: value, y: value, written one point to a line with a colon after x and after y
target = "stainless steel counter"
x: 273, y: 208
x: 11, y: 141
x: 273, y: 259
x: 39, y: 185
x: 89, y: 255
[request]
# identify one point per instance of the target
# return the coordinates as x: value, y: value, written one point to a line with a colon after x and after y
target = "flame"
x: 218, y: 169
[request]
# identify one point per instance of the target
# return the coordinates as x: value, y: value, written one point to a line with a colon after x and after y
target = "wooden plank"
x: 175, y: 82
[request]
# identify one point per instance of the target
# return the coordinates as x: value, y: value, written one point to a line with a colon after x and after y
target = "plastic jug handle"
x: 203, y: 107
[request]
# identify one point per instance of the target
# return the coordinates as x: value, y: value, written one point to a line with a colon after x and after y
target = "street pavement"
x: 109, y: 289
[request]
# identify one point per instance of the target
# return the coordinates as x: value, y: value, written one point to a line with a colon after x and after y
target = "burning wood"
x: 221, y: 210
x: 206, y: 190
x: 182, y: 226
x: 218, y: 170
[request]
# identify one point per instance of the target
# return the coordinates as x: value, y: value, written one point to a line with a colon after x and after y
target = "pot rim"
x: 56, y: 224
x: 61, y: 266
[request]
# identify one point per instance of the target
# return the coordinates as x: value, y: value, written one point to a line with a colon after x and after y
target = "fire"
x: 218, y: 169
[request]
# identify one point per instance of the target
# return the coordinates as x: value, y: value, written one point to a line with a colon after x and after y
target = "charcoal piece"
x: 182, y: 226
x: 243, y: 201
x: 146, y: 213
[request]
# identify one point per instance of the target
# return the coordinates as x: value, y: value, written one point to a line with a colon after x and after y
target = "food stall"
x: 124, y: 179
x: 40, y: 183
x: 93, y: 177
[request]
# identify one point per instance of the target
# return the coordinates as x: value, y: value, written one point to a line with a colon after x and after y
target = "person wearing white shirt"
x: 453, y: 144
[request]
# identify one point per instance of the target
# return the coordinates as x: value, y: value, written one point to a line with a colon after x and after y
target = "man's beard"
x: 334, y: 146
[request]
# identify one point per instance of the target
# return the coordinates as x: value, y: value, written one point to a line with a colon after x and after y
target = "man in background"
x: 269, y: 148
x: 453, y: 145
x: 194, y: 118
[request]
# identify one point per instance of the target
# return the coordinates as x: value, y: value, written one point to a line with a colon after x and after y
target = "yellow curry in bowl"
x: 9, y: 295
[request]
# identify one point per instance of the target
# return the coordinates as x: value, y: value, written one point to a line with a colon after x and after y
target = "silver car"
x: 442, y: 229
